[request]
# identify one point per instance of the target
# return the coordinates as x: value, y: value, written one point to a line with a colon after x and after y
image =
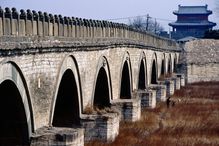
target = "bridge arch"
x: 102, y: 91
x: 154, y: 69
x: 125, y: 77
x: 17, y: 122
x: 170, y: 64
x: 163, y: 65
x: 175, y: 62
x: 67, y: 101
x: 142, y: 72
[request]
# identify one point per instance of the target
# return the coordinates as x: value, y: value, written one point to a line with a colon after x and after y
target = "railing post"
x: 14, y: 22
x: 56, y: 25
x: 92, y: 24
x: 7, y: 22
x: 84, y: 28
x: 106, y: 26
x: 73, y: 27
x: 114, y: 30
x: 61, y: 26
x: 40, y: 23
x: 88, y: 28
x: 1, y: 21
x: 69, y: 27
x: 51, y: 25
x: 46, y: 24
x: 98, y: 28
x: 77, y: 28
x: 65, y: 27
x: 35, y: 23
x: 102, y: 29
x: 110, y: 29
x: 29, y: 23
x: 22, y: 23
x: 95, y: 29
x: 81, y: 27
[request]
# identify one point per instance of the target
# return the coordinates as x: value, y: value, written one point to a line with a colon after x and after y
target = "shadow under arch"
x: 17, y: 122
x: 125, y: 78
x: 170, y: 64
x: 102, y: 91
x: 154, y: 69
x: 175, y: 63
x: 163, y: 72
x: 142, y: 74
x: 67, y: 102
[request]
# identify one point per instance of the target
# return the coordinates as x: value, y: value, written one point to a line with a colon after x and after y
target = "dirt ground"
x: 192, y: 119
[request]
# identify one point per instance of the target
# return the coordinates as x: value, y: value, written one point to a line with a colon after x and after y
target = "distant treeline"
x: 212, y: 34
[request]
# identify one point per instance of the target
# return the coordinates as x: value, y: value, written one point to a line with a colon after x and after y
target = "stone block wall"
x: 148, y: 98
x: 103, y: 127
x: 160, y: 91
x: 205, y: 72
x: 182, y: 79
x: 128, y: 109
x: 169, y: 86
x: 200, y: 60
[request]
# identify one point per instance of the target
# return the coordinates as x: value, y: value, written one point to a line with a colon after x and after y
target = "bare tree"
x: 146, y: 24
x: 137, y: 23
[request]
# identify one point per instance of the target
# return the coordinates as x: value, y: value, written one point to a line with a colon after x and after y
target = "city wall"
x: 200, y: 60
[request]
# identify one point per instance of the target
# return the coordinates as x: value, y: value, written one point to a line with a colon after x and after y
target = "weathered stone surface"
x: 148, y: 98
x: 200, y: 60
x: 182, y: 79
x: 160, y: 91
x: 54, y: 136
x: 128, y: 109
x: 170, y: 86
x: 104, y: 127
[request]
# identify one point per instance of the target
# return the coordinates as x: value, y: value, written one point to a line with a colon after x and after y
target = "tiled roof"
x: 192, y: 24
x: 193, y: 10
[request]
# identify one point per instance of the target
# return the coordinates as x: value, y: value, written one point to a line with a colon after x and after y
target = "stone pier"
x: 160, y: 91
x: 182, y: 79
x: 148, y: 98
x: 129, y: 109
x: 169, y: 86
x: 177, y: 82
x: 54, y: 136
x: 104, y: 126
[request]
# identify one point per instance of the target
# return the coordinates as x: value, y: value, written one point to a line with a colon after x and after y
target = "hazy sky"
x: 111, y: 9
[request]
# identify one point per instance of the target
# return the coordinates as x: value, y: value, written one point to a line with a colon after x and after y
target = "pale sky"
x: 111, y: 9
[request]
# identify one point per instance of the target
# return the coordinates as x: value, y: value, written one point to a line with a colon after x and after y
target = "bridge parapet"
x: 38, y: 26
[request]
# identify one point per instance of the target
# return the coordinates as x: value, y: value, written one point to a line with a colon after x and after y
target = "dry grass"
x: 165, y: 76
x: 194, y: 121
x: 96, y: 110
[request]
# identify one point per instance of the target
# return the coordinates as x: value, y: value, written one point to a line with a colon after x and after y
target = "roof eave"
x: 178, y: 13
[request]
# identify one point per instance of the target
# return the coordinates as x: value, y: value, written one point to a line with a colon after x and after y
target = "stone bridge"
x: 66, y: 80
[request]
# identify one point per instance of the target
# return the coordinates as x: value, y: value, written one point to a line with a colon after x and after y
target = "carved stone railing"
x: 34, y: 24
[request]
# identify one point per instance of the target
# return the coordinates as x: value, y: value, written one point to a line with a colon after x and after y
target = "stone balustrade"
x: 31, y: 23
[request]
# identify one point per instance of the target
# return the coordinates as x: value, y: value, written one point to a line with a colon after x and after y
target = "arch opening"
x: 141, y: 77
x: 154, y: 73
x: 66, y: 113
x: 175, y: 66
x: 13, y: 123
x: 162, y: 68
x: 101, y: 95
x: 169, y: 66
x: 125, y: 92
